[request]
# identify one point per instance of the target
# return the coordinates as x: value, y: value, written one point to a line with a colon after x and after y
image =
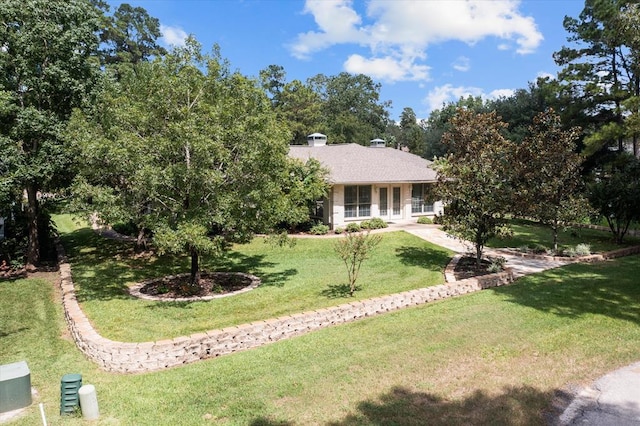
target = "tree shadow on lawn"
x: 608, y: 288
x: 102, y: 267
x: 338, y: 291
x: 424, y: 257
x: 523, y: 405
x: 400, y: 406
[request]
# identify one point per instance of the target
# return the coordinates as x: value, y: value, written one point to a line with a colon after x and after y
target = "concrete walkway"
x: 612, y: 400
x: 520, y: 265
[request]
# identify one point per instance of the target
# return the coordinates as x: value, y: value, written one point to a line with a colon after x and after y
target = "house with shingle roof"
x: 368, y: 182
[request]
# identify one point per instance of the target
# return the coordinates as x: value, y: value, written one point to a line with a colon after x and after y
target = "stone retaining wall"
x: 150, y: 356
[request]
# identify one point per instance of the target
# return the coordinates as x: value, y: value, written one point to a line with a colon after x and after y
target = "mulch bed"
x: 210, y: 284
x: 466, y: 268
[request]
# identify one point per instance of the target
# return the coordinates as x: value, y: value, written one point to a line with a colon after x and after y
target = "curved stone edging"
x: 135, y: 289
x: 627, y: 251
x: 123, y: 357
x: 449, y: 271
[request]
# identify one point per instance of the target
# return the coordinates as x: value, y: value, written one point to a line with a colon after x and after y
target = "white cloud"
x: 337, y: 23
x: 172, y: 36
x: 501, y: 93
x: 544, y: 74
x: 448, y: 93
x: 401, y: 31
x: 462, y: 64
x: 387, y: 68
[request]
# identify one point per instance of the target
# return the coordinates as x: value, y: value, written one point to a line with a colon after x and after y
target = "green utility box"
x: 15, y: 386
x: 69, y: 386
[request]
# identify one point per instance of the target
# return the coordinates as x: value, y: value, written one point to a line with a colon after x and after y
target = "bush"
x: 497, y: 265
x: 338, y: 230
x: 534, y: 248
x: 579, y: 250
x: 353, y: 227
x: 583, y: 249
x: 425, y: 220
x: 319, y: 229
x: 375, y: 223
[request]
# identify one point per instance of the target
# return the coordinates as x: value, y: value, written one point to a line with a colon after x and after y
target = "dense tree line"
x: 85, y: 93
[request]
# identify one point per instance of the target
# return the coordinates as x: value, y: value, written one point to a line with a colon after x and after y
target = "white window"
x: 418, y: 203
x: 357, y: 201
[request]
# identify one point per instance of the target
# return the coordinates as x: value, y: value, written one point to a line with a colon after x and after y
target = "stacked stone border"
x: 123, y: 357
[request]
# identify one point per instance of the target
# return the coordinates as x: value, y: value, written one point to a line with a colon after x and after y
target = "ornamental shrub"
x: 425, y: 220
x: 374, y: 223
x: 319, y: 229
x: 353, y: 227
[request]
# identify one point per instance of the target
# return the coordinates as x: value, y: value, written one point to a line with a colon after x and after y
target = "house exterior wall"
x: 335, y: 207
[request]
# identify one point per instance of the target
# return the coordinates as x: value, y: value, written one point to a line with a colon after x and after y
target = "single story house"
x: 368, y: 182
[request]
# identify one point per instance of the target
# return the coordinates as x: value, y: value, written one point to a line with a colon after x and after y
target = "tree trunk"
x: 555, y: 240
x: 478, y: 255
x: 194, y: 280
x: 33, y: 248
x: 141, y: 243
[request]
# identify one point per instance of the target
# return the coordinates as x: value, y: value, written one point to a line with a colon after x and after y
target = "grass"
x: 306, y: 277
x: 495, y: 357
x: 528, y: 232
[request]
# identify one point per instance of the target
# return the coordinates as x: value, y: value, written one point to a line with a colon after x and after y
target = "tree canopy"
x: 474, y: 179
x: 195, y: 149
x: 49, y: 65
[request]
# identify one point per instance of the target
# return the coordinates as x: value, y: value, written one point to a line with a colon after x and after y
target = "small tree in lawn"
x: 549, y: 186
x: 474, y: 180
x: 354, y: 249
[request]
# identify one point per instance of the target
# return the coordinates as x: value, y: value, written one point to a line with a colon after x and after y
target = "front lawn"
x: 495, y: 357
x: 306, y: 277
x: 526, y: 232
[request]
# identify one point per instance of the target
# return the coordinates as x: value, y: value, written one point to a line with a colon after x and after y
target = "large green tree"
x: 614, y: 192
x: 601, y: 71
x: 548, y: 181
x: 474, y: 179
x: 351, y: 107
x: 205, y: 156
x: 411, y: 135
x: 439, y: 122
x: 129, y: 36
x: 49, y: 65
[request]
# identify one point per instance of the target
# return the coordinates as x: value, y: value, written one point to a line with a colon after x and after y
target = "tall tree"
x: 602, y: 70
x: 130, y: 36
x: 549, y: 184
x: 351, y: 108
x: 474, y: 179
x: 438, y: 123
x: 210, y: 157
x: 411, y: 134
x: 300, y: 108
x: 48, y: 63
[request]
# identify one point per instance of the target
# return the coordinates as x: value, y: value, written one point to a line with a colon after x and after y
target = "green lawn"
x: 494, y: 357
x: 306, y: 277
x: 527, y: 232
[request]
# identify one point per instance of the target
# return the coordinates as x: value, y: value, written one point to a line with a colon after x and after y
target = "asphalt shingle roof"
x: 353, y: 163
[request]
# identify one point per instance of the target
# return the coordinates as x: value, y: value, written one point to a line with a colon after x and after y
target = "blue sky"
x: 422, y: 52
